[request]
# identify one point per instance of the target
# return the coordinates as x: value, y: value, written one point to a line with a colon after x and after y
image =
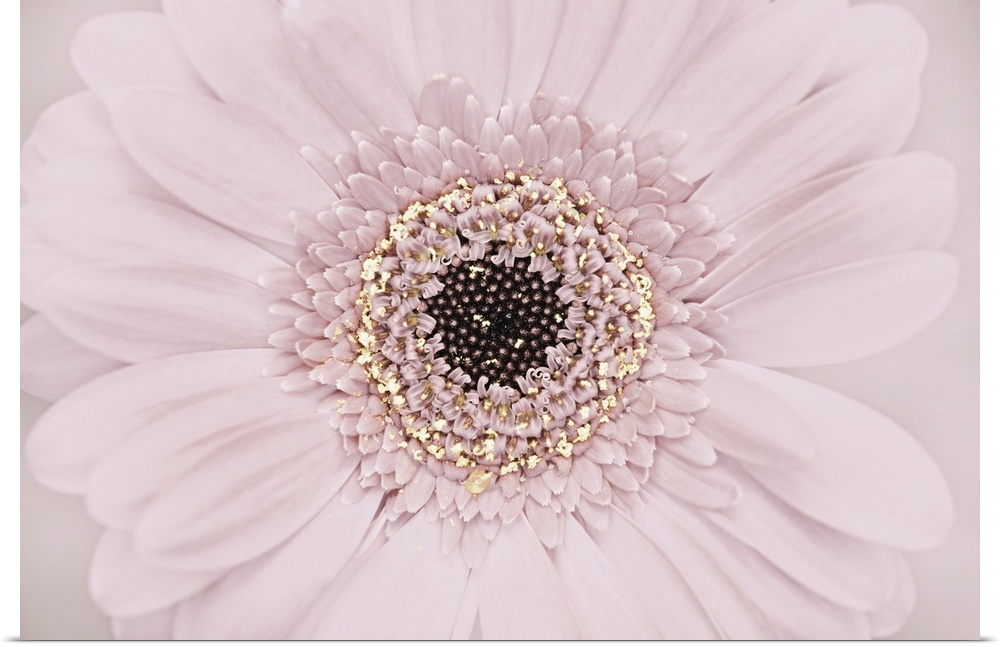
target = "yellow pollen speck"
x: 478, y: 481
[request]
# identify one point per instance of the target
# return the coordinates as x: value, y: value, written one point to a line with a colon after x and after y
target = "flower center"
x: 495, y: 321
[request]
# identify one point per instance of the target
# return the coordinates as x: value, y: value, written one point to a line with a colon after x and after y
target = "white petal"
x: 870, y: 479
x: 840, y: 314
x: 52, y: 364
x: 138, y: 312
x: 132, y: 48
x: 219, y: 160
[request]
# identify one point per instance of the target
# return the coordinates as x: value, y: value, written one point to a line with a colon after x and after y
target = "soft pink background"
x: 930, y: 384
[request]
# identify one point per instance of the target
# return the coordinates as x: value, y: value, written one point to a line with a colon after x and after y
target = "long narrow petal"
x: 763, y: 65
x: 102, y: 172
x: 869, y: 479
x: 124, y: 585
x: 52, y: 364
x: 132, y: 48
x: 246, y: 497
x: 218, y: 160
x: 842, y: 125
x: 516, y: 549
x: 246, y: 62
x: 840, y: 314
x: 78, y: 430
x: 112, y: 308
x: 263, y: 598
x: 75, y: 124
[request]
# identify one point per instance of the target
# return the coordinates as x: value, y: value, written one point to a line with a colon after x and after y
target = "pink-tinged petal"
x: 502, y: 597
x: 83, y: 427
x: 869, y: 479
x: 747, y: 422
x: 479, y: 56
x: 533, y: 37
x: 133, y: 229
x: 76, y: 124
x: 877, y: 35
x: 863, y: 117
x: 132, y: 48
x: 39, y: 260
x: 52, y: 364
x: 731, y: 613
x: 218, y: 160
x: 788, y: 609
x: 840, y: 314
x: 631, y: 67
x: 378, y: 601
x: 468, y: 611
x: 340, y: 65
x: 891, y: 618
x: 246, y: 62
x: 121, y: 584
x: 246, y: 497
x: 605, y: 605
x: 705, y: 487
x: 766, y: 64
x: 264, y: 598
x: 889, y: 206
x: 163, y: 450
x: 137, y: 312
x: 153, y: 626
x: 846, y: 571
x: 584, y: 36
x: 100, y: 172
x: 661, y: 589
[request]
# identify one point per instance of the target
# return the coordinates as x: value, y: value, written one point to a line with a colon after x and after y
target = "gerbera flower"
x: 369, y: 325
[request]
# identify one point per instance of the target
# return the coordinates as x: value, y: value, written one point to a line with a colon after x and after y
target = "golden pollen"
x: 478, y: 481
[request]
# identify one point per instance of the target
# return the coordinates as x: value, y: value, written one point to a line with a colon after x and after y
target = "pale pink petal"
x: 218, y: 160
x: 163, y: 450
x: 517, y: 550
x: 99, y: 172
x: 789, y: 610
x: 247, y: 64
x: 844, y: 570
x: 84, y: 426
x: 246, y: 497
x: 131, y: 48
x: 477, y: 55
x: 747, y: 422
x: 668, y: 600
x: 840, y: 314
x: 869, y: 479
x: 877, y: 34
x: 39, y: 260
x: 363, y: 94
x: 378, y: 601
x: 764, y: 64
x: 634, y: 65
x: 893, y: 205
x: 134, y: 229
x: 583, y: 40
x: 124, y: 585
x: 110, y: 308
x: 705, y: 487
x: 154, y: 626
x: 76, y: 124
x: 533, y: 37
x: 264, y: 598
x: 729, y: 610
x: 52, y: 364
x: 863, y: 117
x: 893, y: 616
x: 604, y: 603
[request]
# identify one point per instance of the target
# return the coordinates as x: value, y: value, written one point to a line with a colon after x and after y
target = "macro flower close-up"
x: 438, y: 319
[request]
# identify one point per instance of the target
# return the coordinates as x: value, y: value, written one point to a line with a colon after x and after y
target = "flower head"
x: 472, y: 322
